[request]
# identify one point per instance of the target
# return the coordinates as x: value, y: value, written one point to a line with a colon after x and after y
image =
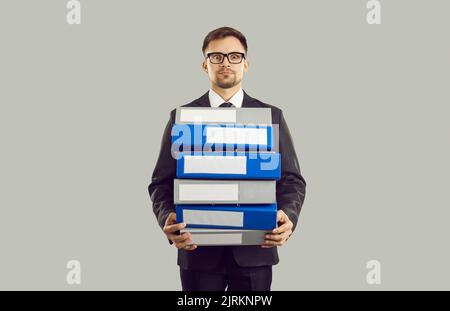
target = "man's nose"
x: 225, y: 62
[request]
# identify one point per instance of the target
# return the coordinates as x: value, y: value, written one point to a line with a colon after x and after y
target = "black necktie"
x: 226, y: 105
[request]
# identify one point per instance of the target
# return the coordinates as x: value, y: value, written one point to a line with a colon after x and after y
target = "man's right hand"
x: 172, y: 228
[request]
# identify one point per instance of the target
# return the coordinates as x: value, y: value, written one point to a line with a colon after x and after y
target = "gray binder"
x: 210, y: 115
x: 198, y: 191
x: 216, y: 237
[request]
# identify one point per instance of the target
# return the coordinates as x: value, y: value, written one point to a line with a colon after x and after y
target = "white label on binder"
x: 234, y: 135
x: 208, y: 115
x: 217, y: 238
x: 208, y: 192
x: 215, y: 164
x: 213, y: 218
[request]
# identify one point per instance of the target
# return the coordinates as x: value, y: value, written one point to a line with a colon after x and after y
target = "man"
x: 232, y: 267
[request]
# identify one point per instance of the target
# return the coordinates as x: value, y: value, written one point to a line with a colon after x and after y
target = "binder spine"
x: 235, y: 166
x: 215, y: 237
x: 256, y: 217
x: 202, y: 191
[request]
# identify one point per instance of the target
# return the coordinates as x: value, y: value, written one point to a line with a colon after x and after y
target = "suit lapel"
x: 249, y: 101
x: 203, y: 101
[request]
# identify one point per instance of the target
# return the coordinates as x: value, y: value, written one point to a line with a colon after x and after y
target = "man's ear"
x: 246, y: 65
x: 205, y: 67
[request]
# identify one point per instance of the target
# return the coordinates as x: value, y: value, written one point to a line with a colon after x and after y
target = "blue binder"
x: 250, y: 217
x: 186, y: 137
x: 224, y: 165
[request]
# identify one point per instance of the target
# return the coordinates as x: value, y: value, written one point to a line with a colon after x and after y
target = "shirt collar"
x: 215, y: 100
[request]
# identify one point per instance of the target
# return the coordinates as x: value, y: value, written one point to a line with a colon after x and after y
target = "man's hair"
x: 224, y: 32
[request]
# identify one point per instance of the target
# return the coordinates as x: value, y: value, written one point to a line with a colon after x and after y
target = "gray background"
x: 83, y: 108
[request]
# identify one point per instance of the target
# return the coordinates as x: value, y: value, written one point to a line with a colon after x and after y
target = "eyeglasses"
x: 218, y: 58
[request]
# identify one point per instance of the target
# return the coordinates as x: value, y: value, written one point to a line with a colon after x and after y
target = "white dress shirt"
x: 215, y: 100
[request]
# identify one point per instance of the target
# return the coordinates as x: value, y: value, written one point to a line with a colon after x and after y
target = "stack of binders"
x: 227, y: 166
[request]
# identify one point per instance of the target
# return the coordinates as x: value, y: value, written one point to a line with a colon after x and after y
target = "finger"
x: 184, y: 243
x: 266, y: 246
x: 280, y: 215
x: 274, y: 243
x: 284, y: 227
x: 274, y: 237
x: 271, y: 243
x: 190, y: 247
x: 181, y: 238
x: 171, y: 219
x: 174, y: 228
x: 285, y: 236
x: 171, y: 236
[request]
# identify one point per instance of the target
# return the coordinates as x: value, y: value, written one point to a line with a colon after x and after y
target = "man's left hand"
x: 281, y: 234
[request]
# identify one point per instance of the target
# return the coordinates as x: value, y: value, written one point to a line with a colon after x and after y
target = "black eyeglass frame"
x: 225, y: 55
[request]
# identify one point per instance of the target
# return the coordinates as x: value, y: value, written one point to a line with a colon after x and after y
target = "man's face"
x: 225, y: 75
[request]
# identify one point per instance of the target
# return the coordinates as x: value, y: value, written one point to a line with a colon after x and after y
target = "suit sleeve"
x: 291, y: 187
x: 161, y: 186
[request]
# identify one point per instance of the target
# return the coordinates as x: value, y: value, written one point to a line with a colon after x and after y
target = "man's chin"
x: 228, y: 85
x: 225, y: 86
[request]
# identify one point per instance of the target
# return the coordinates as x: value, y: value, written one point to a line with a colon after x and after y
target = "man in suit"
x: 232, y: 267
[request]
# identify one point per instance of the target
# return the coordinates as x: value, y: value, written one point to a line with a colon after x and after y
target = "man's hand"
x: 281, y: 234
x: 172, y: 228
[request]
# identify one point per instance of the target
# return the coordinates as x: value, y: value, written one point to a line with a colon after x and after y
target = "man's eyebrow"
x: 225, y: 53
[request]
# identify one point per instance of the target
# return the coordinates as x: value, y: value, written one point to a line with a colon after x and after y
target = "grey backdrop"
x: 83, y: 108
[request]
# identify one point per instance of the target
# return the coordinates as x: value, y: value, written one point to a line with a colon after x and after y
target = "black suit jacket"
x: 290, y: 193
